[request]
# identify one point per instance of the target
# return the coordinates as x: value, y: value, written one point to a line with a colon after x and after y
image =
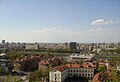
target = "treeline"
x: 115, y: 50
x: 55, y: 50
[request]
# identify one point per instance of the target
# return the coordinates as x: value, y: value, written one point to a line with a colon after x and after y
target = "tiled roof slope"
x: 61, y: 68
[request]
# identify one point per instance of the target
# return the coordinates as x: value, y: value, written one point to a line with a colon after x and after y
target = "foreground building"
x: 4, y: 62
x: 27, y: 63
x: 97, y: 78
x: 62, y: 72
x: 45, y: 65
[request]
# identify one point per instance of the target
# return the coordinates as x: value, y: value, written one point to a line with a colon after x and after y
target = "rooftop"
x: 64, y: 67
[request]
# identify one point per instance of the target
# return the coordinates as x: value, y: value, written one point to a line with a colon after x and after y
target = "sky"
x: 82, y: 21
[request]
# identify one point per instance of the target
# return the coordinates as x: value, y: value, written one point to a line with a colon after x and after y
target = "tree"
x: 35, y: 76
x: 38, y: 76
x: 1, y: 70
x: 115, y: 76
x: 104, y: 76
x: 102, y: 68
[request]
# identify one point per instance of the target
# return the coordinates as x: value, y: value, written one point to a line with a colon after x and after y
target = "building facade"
x: 32, y: 46
x: 119, y: 45
x: 62, y: 72
x: 73, y: 45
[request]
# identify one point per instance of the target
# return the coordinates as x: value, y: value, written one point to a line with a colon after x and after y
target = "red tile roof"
x: 97, y: 78
x: 102, y: 61
x: 44, y: 62
x: 61, y: 68
x: 84, y: 65
x: 27, y: 59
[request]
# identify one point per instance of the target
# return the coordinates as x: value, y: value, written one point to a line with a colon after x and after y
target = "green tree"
x: 102, y: 68
x: 1, y: 70
x: 115, y: 76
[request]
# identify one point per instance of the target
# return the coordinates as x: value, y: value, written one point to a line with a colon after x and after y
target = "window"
x: 55, y: 78
x: 76, y: 74
x: 82, y: 74
x: 79, y: 74
x: 79, y: 70
x: 91, y: 74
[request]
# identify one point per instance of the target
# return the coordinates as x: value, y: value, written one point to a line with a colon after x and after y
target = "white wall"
x: 55, y: 74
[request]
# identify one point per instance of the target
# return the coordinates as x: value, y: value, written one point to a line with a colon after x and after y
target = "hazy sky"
x: 60, y: 20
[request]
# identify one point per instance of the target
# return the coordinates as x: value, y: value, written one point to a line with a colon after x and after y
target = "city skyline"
x: 60, y: 21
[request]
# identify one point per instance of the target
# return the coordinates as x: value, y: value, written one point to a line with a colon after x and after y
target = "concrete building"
x: 118, y: 68
x: 66, y: 45
x: 119, y: 45
x: 73, y: 45
x: 27, y: 63
x: 44, y: 66
x: 104, y: 46
x: 3, y: 41
x: 32, y: 46
x: 4, y: 62
x: 81, y: 56
x: 62, y: 72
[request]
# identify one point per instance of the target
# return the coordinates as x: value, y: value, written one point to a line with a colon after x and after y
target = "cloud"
x: 56, y: 34
x: 63, y: 34
x: 104, y: 22
x: 51, y: 30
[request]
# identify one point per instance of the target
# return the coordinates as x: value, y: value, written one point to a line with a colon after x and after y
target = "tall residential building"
x: 62, y: 72
x: 119, y: 45
x: 73, y: 45
x: 3, y: 41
